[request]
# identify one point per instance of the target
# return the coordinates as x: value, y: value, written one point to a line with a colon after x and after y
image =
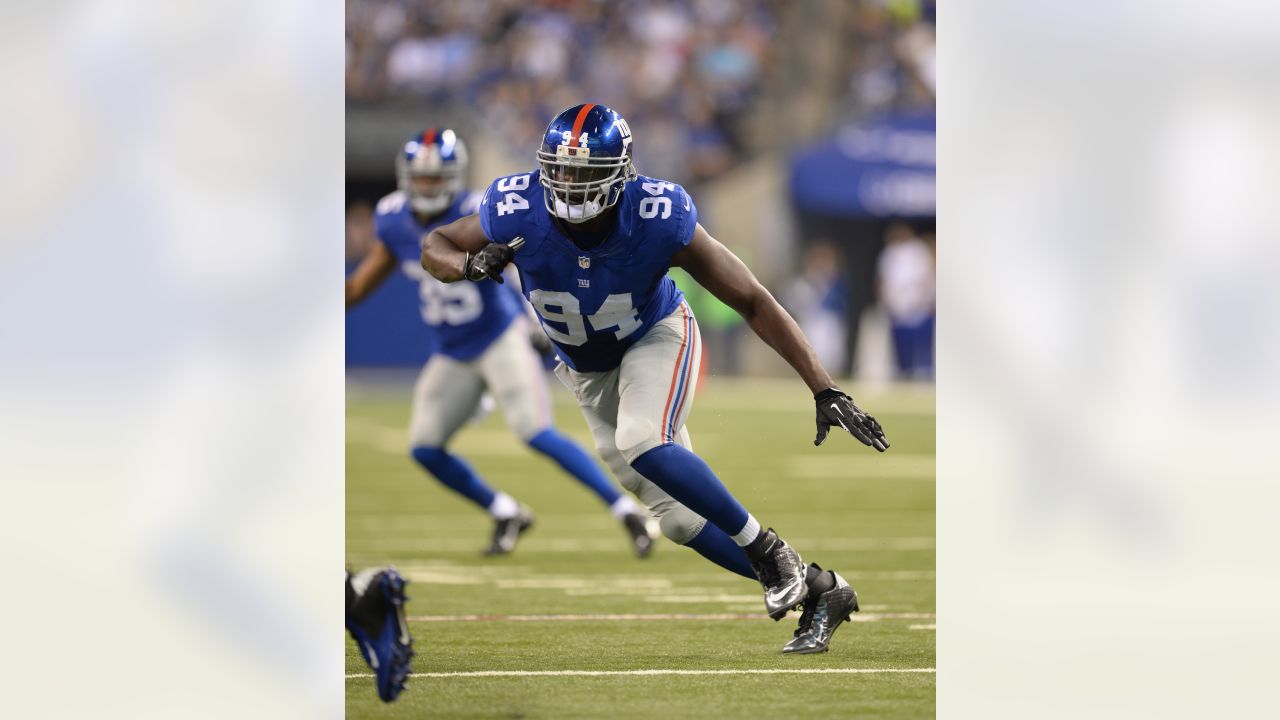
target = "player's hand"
x: 836, y: 408
x: 488, y: 263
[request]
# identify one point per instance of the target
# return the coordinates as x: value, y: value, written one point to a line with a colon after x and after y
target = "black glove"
x: 488, y: 263
x: 836, y: 408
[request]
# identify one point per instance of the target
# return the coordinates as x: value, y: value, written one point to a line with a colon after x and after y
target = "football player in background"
x: 482, y: 338
x: 592, y: 242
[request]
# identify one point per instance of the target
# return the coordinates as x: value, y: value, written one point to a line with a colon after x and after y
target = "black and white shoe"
x: 781, y: 572
x: 831, y: 600
x: 507, y: 532
x: 642, y: 534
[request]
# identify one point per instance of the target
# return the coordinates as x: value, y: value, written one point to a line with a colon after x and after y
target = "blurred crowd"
x: 687, y: 71
x: 904, y: 291
x: 691, y: 75
x: 891, y: 57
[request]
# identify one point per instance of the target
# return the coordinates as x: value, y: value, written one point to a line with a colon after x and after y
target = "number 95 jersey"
x: 594, y: 304
x: 464, y: 317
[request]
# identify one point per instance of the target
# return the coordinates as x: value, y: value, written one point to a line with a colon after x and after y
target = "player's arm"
x: 725, y: 276
x: 460, y: 251
x: 372, y: 271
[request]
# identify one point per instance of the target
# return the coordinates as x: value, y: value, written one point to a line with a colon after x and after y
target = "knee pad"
x: 636, y: 437
x: 679, y: 524
x: 526, y: 426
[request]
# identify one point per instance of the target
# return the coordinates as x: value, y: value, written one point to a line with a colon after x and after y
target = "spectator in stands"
x: 905, y: 284
x: 818, y: 301
x: 687, y: 69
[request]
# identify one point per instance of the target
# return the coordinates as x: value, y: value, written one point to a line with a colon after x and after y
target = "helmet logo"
x: 566, y: 151
x: 625, y: 131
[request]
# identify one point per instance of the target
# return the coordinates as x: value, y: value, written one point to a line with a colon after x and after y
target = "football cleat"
x: 507, y: 532
x: 376, y: 621
x: 831, y: 600
x: 780, y: 570
x: 642, y: 535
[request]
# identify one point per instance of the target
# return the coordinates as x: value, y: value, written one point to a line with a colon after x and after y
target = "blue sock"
x: 712, y: 544
x: 687, y: 478
x: 455, y: 474
x: 576, y: 462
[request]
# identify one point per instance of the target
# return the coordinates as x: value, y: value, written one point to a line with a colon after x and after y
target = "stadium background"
x: 805, y: 133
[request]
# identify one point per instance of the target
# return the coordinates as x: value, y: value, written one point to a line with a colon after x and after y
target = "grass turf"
x: 844, y: 506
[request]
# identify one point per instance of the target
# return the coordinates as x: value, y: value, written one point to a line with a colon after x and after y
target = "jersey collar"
x: 612, y: 244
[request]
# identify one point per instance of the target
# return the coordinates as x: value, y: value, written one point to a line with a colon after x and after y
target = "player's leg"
x: 445, y: 396
x: 656, y: 384
x: 710, y: 541
x: 516, y: 378
x: 597, y: 395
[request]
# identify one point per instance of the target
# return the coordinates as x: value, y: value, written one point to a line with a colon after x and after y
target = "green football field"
x: 572, y: 625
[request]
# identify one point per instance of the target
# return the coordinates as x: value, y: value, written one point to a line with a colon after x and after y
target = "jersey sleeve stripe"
x: 577, y: 123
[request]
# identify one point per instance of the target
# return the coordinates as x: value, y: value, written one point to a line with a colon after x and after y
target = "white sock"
x: 748, y: 532
x: 623, y: 507
x: 503, y: 506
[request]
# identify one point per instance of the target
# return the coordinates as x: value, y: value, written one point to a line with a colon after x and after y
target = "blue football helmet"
x: 431, y: 170
x: 586, y: 161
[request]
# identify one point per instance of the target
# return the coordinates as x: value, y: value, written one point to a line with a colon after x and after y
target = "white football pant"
x: 642, y: 404
x: 448, y: 391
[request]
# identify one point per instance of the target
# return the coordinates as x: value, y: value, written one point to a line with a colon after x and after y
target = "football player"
x: 376, y: 621
x: 592, y: 241
x: 482, y: 338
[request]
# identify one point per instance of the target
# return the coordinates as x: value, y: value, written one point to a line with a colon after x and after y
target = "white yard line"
x: 407, y: 539
x: 649, y: 586
x: 931, y: 626
x: 612, y: 673
x: 627, y: 617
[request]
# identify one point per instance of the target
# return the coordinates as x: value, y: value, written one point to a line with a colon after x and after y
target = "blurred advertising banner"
x: 883, y: 167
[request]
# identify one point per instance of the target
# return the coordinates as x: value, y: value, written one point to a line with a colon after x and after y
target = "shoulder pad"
x: 392, y: 203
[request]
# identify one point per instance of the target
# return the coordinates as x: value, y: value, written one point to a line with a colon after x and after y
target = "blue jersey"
x: 465, y: 317
x: 594, y: 304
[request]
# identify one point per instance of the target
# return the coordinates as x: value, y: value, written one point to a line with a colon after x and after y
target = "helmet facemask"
x: 434, y: 201
x: 579, y: 187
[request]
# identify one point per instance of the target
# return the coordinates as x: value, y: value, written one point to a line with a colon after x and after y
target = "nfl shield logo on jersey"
x: 584, y: 262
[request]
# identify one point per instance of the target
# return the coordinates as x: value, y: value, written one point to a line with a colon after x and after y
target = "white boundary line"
x: 861, y: 617
x: 612, y: 673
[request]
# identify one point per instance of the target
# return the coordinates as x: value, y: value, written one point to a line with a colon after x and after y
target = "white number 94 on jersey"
x: 562, y: 308
x: 512, y: 200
